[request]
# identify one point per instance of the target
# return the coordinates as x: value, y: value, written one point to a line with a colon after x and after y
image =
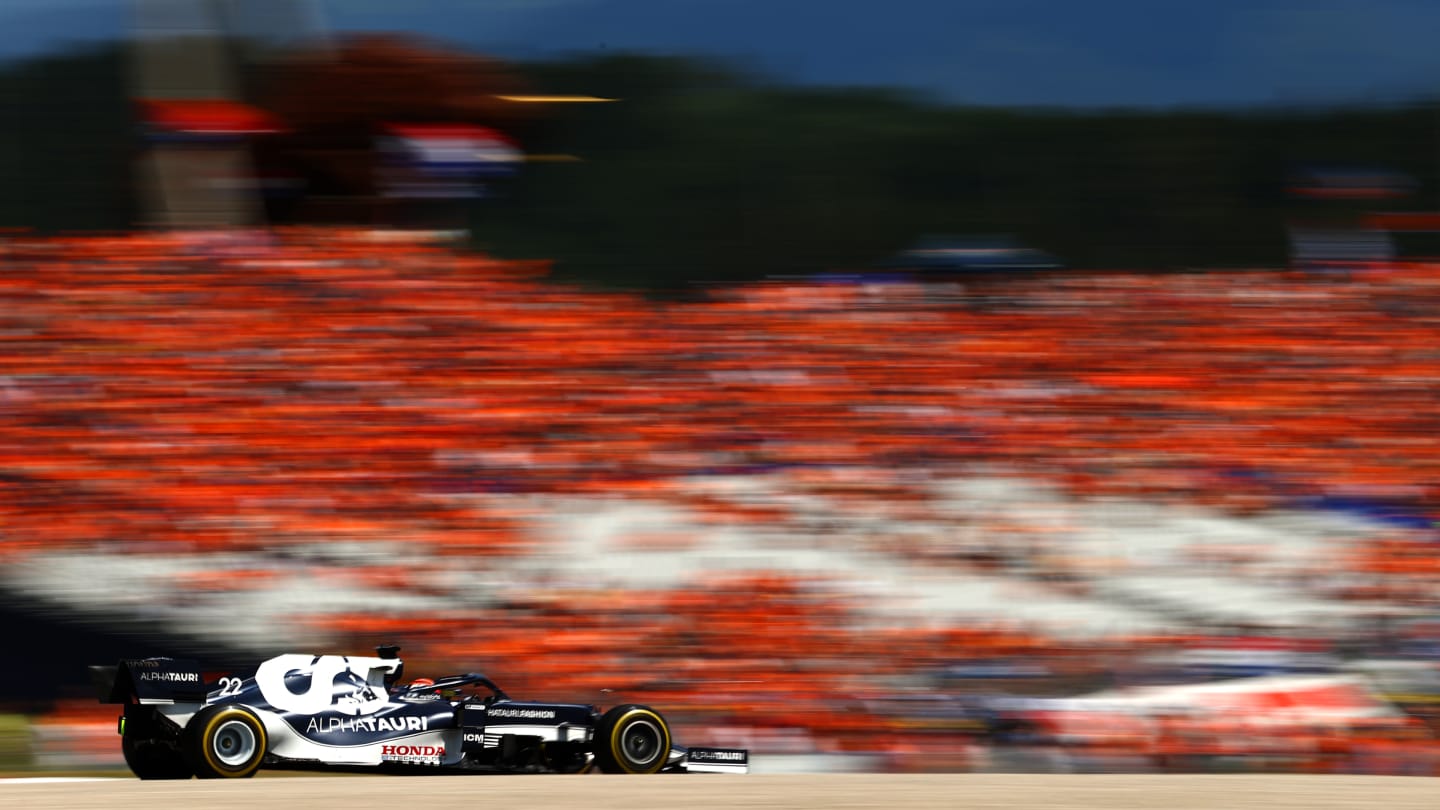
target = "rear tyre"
x: 224, y: 742
x: 632, y: 739
x: 154, y: 760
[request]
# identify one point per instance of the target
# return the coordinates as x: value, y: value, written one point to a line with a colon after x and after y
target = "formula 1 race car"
x: 334, y: 712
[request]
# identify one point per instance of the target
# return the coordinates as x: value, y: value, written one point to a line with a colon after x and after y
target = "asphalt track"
x: 772, y: 792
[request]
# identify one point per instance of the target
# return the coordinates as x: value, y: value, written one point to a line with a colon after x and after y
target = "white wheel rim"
x: 234, y: 743
x: 654, y: 735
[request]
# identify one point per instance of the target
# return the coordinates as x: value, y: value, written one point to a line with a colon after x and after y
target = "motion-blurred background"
x: 916, y: 385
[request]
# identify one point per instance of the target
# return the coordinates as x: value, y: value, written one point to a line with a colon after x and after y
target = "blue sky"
x: 1079, y: 53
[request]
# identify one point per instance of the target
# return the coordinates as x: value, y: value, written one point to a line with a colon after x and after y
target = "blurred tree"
x: 701, y: 173
x: 66, y: 142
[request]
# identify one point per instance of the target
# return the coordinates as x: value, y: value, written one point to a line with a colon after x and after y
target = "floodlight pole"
x: 179, y: 52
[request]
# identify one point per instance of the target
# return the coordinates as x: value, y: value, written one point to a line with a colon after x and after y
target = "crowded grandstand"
x: 892, y: 524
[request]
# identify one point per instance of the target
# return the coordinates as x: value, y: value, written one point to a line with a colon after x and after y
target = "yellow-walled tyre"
x: 224, y: 742
x: 632, y: 739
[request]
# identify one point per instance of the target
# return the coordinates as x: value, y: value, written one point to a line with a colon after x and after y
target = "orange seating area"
x: 196, y: 394
x: 171, y: 385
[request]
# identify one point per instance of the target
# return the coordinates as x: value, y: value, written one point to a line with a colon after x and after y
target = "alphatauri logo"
x: 171, y: 677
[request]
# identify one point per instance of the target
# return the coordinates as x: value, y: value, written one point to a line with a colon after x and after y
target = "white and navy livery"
x: 350, y: 712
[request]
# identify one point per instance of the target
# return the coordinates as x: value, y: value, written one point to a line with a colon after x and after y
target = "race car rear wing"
x: 150, y: 681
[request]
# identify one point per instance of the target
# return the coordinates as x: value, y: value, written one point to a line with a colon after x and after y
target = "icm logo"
x: 472, y: 737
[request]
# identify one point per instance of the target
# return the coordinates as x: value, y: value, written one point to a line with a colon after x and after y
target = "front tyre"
x: 224, y: 742
x: 632, y: 739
